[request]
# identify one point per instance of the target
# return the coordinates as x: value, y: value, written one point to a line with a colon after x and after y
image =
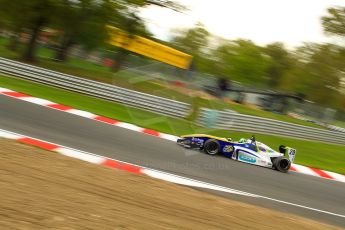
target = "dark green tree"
x: 316, y: 73
x: 279, y: 64
x: 39, y: 15
x: 334, y: 22
x: 243, y: 61
x: 193, y: 40
x: 83, y: 22
x: 334, y: 25
x: 29, y: 16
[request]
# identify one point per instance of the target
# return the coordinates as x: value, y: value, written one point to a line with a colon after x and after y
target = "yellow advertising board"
x: 149, y: 48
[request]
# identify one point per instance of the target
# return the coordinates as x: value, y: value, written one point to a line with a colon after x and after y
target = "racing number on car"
x: 227, y: 149
x: 292, y: 153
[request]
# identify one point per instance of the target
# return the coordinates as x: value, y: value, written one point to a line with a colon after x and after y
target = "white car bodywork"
x: 261, y: 157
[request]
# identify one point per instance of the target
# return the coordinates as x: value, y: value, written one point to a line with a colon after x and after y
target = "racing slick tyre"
x: 212, y: 147
x: 282, y: 164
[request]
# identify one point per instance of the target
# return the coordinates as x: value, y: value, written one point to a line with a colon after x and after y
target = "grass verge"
x: 310, y: 153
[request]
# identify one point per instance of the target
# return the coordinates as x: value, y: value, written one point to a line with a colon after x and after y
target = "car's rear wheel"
x: 282, y: 164
x: 212, y: 147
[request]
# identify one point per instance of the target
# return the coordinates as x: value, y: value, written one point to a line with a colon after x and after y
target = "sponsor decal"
x: 227, y: 149
x: 244, y: 157
x: 262, y: 162
x: 148, y: 48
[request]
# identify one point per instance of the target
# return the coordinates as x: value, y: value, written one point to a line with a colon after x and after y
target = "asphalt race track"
x: 126, y: 145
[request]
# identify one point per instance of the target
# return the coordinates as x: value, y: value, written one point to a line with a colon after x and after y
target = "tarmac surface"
x: 144, y: 150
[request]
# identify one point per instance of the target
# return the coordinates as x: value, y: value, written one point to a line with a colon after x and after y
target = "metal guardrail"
x: 96, y: 89
x: 336, y: 128
x: 247, y: 123
x: 226, y: 120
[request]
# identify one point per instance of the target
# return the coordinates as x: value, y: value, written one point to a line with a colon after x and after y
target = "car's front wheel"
x: 212, y: 147
x: 180, y: 141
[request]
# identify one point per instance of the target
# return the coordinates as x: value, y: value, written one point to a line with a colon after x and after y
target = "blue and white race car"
x: 245, y: 150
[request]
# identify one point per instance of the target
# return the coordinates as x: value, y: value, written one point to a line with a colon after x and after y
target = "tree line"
x: 315, y: 70
x: 80, y: 22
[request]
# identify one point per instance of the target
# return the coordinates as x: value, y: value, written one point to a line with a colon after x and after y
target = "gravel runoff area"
x: 44, y: 190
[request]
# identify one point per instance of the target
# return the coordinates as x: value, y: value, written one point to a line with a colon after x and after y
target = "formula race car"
x: 245, y: 150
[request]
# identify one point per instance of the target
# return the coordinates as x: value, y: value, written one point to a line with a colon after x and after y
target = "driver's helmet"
x: 242, y: 140
x: 228, y: 139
